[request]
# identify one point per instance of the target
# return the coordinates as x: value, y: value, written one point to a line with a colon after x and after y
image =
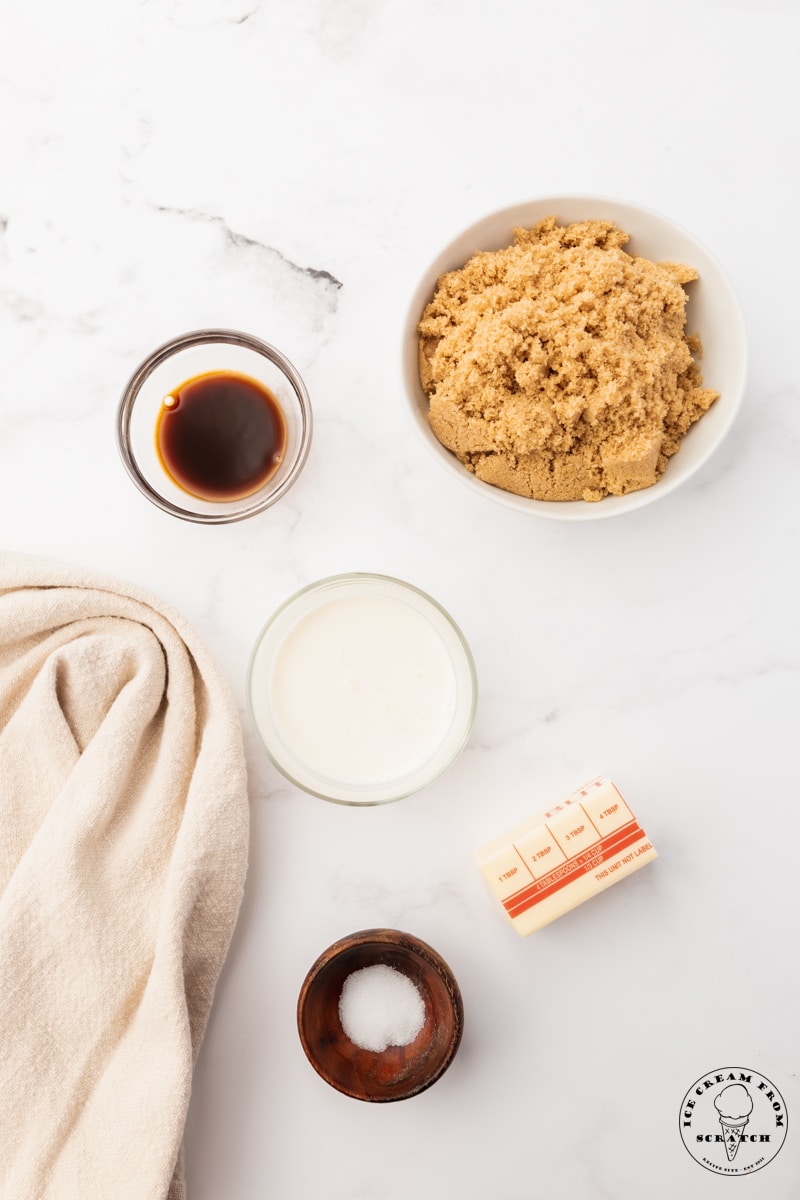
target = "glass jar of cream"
x: 362, y: 689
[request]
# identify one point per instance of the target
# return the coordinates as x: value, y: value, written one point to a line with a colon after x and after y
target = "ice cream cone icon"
x: 734, y: 1105
x: 732, y: 1133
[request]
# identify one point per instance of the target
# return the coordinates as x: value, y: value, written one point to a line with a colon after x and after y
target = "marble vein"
x: 212, y: 14
x: 491, y: 743
x: 241, y: 241
x: 388, y: 897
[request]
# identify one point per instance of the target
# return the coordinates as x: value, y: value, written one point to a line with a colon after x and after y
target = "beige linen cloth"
x: 123, y: 847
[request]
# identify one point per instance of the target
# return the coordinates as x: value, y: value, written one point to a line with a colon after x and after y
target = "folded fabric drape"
x: 123, y: 849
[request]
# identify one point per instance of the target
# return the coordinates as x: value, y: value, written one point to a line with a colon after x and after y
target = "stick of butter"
x: 552, y: 863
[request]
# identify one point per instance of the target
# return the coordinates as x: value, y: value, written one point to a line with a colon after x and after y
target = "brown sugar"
x: 559, y: 368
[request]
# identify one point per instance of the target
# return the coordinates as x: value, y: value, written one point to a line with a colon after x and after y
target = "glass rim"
x: 202, y: 337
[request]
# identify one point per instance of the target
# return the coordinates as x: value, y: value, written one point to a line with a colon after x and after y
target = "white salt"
x: 380, y: 1007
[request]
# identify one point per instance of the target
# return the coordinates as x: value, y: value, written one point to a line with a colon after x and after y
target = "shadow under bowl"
x: 399, y: 1071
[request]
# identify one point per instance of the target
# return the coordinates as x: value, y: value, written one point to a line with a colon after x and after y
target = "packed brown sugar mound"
x: 559, y: 368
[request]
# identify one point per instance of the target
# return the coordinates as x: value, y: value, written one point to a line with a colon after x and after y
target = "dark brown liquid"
x: 221, y: 436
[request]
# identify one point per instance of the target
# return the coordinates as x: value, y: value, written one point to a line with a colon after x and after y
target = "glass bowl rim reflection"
x: 329, y: 584
x: 235, y: 510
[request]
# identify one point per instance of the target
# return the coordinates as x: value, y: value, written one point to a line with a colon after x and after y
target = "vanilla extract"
x: 221, y: 436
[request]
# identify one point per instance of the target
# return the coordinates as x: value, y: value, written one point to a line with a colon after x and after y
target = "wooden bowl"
x: 399, y: 1071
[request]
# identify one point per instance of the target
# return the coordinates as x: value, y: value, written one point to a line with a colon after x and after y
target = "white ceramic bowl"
x: 713, y: 312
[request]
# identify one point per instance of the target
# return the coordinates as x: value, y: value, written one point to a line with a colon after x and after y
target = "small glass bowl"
x: 445, y: 645
x: 183, y: 358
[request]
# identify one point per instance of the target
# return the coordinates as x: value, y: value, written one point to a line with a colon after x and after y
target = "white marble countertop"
x: 289, y: 169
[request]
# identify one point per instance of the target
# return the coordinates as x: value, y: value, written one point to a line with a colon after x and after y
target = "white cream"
x: 363, y: 690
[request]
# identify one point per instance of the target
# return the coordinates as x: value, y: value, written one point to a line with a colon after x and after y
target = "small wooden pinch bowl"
x: 399, y: 1071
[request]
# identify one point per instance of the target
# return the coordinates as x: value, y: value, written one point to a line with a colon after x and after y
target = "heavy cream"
x: 362, y: 689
